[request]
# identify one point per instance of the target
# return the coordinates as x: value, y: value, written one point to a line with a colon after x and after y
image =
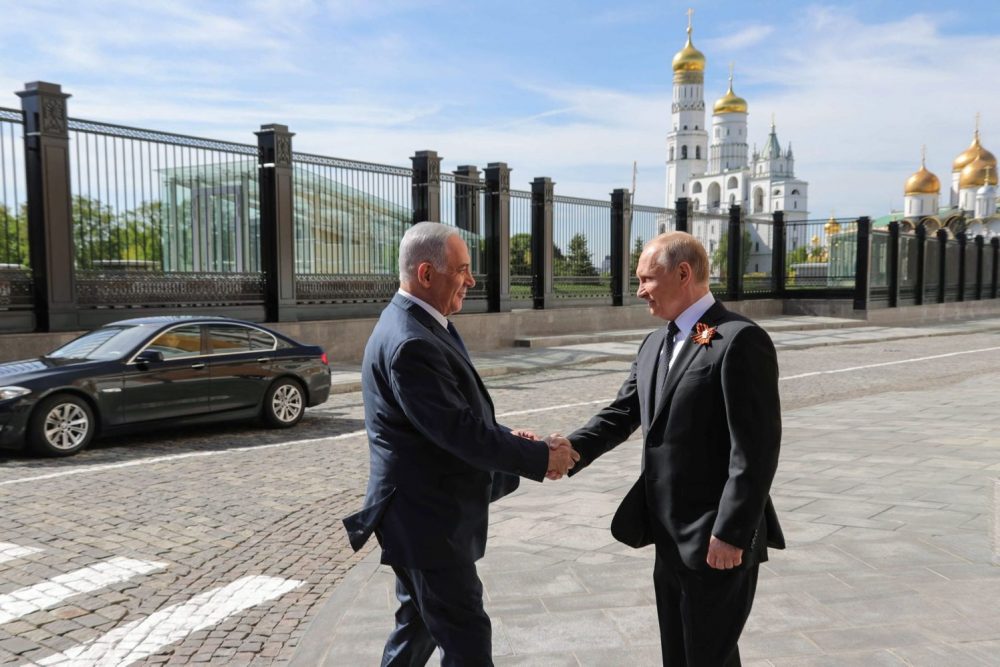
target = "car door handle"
x: 198, y: 365
x: 263, y: 360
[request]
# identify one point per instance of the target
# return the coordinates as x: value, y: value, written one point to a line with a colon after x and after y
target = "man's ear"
x: 424, y: 274
x: 684, y: 271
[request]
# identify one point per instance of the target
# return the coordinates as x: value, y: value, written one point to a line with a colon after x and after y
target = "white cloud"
x: 741, y: 38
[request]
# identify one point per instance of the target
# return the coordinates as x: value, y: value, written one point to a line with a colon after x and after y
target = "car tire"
x: 61, y: 425
x: 284, y: 404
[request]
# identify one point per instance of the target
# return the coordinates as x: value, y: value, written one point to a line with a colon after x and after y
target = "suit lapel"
x: 646, y: 371
x: 685, y: 357
x: 442, y: 334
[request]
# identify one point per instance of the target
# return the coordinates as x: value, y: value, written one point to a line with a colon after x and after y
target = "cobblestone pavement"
x: 219, y: 544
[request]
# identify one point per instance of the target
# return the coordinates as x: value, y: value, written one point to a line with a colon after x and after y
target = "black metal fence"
x: 16, y: 289
x: 162, y: 220
x: 98, y: 218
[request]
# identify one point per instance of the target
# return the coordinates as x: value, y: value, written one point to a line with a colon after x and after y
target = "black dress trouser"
x: 701, y: 612
x: 439, y: 608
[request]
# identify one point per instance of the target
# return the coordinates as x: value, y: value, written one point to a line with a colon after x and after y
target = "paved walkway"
x: 884, y: 501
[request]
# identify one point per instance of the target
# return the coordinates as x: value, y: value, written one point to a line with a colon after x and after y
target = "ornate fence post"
x: 467, y: 198
x: 942, y: 237
x: 277, y: 222
x: 734, y: 257
x: 979, y: 266
x: 962, y: 242
x: 497, y: 234
x: 863, y: 264
x: 918, y: 288
x: 995, y: 249
x: 621, y: 232
x: 778, y: 255
x: 893, y: 264
x: 541, y: 241
x: 50, y: 211
x: 682, y: 213
x: 426, y: 186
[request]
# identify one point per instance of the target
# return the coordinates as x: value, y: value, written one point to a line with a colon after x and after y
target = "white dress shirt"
x: 431, y: 310
x: 685, y: 322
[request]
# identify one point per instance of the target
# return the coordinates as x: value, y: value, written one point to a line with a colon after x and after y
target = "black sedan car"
x: 157, y: 369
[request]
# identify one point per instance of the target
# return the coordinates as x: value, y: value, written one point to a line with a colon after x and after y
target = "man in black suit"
x: 437, y: 457
x: 704, y: 389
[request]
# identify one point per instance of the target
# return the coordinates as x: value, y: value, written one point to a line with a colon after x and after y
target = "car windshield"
x: 105, y: 343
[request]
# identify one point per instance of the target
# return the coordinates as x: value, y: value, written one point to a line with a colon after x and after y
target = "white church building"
x: 712, y: 168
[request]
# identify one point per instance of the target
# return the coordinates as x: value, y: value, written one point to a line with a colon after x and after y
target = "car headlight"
x: 7, y: 393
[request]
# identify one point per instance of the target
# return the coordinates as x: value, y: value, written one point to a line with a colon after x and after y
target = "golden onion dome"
x: 922, y: 182
x: 730, y: 102
x: 981, y: 171
x: 969, y: 154
x: 689, y: 63
x: 831, y: 226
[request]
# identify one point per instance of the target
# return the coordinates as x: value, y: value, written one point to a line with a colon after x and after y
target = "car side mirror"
x: 148, y: 356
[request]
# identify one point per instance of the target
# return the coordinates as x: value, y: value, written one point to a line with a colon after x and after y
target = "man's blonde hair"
x: 672, y: 248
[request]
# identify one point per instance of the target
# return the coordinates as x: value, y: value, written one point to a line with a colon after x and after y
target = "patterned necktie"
x: 458, y: 339
x: 663, y: 366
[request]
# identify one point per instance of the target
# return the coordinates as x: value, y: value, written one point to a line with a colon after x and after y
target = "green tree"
x: 520, y: 254
x: 721, y: 254
x: 93, y: 229
x: 579, y: 261
x: 14, y: 243
x: 141, y: 233
x: 99, y: 234
x: 636, y: 251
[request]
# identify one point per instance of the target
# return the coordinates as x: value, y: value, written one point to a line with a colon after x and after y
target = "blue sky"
x: 571, y: 90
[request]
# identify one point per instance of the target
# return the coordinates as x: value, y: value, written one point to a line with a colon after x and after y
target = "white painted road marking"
x: 354, y: 434
x: 10, y: 551
x: 145, y: 637
x: 50, y: 593
x: 890, y: 363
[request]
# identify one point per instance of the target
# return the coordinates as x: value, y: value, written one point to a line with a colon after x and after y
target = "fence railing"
x: 158, y: 218
x: 15, y: 278
x: 96, y: 218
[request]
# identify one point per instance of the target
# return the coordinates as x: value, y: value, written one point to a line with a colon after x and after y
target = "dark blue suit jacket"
x: 438, y: 456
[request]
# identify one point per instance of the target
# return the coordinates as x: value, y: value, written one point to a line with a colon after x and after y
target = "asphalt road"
x: 218, y: 544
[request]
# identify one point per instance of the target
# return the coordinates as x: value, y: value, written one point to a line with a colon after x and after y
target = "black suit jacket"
x: 437, y: 455
x: 710, y: 444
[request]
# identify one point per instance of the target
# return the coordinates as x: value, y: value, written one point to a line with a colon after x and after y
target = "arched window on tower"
x: 697, y: 152
x: 684, y: 152
x: 671, y: 153
x: 758, y: 200
x: 732, y: 183
x: 696, y: 188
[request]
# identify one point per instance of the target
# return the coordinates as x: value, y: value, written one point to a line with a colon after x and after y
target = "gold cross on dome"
x: 923, y: 154
x: 690, y: 13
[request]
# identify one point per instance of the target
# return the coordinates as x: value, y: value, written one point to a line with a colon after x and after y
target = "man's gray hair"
x: 424, y: 242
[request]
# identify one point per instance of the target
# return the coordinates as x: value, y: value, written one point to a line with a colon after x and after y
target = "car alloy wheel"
x: 285, y: 404
x: 61, y: 425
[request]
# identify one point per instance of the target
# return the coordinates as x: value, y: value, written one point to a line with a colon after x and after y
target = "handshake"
x: 562, y: 456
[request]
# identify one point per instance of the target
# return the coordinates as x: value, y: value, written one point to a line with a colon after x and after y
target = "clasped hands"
x: 562, y: 456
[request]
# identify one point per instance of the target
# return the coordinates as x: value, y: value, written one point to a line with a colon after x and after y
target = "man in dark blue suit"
x: 438, y: 457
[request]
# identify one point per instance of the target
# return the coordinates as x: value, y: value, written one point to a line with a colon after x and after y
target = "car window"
x: 261, y: 340
x: 182, y: 341
x: 110, y: 342
x: 229, y: 338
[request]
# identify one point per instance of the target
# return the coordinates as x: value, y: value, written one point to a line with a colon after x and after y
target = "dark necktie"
x: 663, y: 366
x: 458, y: 339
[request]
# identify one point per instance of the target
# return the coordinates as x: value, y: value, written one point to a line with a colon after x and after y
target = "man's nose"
x: 470, y: 280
